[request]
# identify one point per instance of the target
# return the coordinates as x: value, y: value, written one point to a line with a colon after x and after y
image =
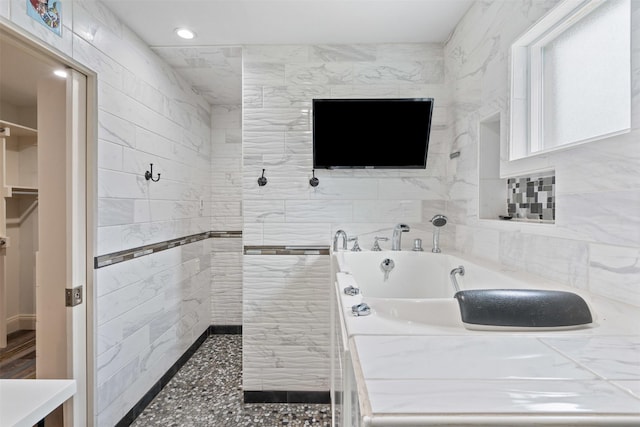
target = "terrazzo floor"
x: 207, y: 391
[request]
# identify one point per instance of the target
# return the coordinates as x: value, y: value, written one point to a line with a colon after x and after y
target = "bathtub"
x: 418, y: 291
x: 412, y: 361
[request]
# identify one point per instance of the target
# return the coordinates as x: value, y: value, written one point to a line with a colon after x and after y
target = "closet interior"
x: 19, y: 74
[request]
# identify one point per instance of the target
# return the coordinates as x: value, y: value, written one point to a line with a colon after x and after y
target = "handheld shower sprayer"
x: 438, y: 221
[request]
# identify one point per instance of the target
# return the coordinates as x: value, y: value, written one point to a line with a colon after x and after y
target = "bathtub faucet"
x: 437, y: 221
x: 396, y: 239
x: 340, y: 233
x: 452, y: 275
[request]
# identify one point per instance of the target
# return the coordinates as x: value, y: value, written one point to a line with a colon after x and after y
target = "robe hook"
x: 148, y: 175
x: 262, y: 181
x: 314, y: 181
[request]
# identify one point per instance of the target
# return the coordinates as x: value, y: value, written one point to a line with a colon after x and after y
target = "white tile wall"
x: 148, y: 310
x: 280, y: 305
x: 148, y: 114
x: 226, y: 208
x: 285, y: 324
x: 594, y: 243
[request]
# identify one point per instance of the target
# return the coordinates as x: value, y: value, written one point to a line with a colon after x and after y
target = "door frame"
x: 83, y: 413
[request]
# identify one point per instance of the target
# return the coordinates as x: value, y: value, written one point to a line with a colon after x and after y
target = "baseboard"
x: 225, y: 329
x: 137, y: 409
x: 21, y: 322
x: 277, y: 396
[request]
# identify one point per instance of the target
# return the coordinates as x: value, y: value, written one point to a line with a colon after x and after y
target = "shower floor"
x: 207, y: 391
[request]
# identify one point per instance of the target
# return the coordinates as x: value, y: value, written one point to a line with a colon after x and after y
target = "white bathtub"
x: 418, y: 291
x: 393, y: 364
x: 426, y: 275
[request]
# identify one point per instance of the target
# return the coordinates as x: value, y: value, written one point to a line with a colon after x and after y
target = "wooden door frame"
x: 82, y: 413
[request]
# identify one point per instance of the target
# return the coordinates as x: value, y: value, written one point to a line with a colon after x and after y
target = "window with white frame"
x: 571, y: 77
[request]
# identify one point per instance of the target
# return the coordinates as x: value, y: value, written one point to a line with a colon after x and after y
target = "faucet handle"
x: 356, y: 247
x: 376, y: 246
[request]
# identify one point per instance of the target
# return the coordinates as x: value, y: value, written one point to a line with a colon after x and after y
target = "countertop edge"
x: 43, y: 396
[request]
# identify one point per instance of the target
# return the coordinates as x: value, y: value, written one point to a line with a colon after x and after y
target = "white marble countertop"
x: 498, y: 379
x: 25, y: 402
x: 448, y: 375
x: 571, y: 378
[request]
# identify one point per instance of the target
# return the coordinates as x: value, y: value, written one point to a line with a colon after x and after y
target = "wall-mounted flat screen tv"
x: 371, y: 133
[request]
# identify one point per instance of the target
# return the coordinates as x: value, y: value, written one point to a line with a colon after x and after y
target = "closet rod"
x: 25, y: 192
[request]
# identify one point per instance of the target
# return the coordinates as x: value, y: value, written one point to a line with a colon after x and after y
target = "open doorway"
x: 19, y: 75
x: 44, y: 225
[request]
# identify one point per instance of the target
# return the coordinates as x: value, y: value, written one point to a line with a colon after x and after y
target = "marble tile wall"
x: 286, y: 324
x: 279, y: 83
x: 148, y: 310
x: 226, y: 208
x: 595, y: 241
x: 226, y: 281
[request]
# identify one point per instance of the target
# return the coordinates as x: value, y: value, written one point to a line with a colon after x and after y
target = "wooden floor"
x: 18, y: 359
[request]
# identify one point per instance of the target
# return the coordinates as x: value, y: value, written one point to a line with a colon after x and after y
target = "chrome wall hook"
x: 314, y: 181
x: 148, y: 175
x: 262, y: 181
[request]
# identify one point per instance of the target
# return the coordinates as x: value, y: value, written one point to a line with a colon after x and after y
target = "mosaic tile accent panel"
x: 532, y: 198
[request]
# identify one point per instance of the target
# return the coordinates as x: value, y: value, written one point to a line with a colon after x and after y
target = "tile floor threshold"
x: 206, y: 392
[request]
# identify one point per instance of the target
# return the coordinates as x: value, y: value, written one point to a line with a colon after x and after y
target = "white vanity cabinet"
x: 345, y: 402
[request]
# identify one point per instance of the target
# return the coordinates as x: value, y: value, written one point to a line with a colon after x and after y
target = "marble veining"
x: 473, y: 358
x: 315, y: 73
x: 592, y: 212
x: 610, y: 357
x: 268, y: 363
x: 335, y: 53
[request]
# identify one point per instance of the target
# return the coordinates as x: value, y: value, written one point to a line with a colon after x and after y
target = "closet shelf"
x: 18, y: 130
x: 23, y: 191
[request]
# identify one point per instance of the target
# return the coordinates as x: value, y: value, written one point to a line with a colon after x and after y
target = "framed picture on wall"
x: 47, y: 12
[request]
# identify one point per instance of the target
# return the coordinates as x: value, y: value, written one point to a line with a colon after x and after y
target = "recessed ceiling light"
x: 185, y: 33
x: 61, y: 73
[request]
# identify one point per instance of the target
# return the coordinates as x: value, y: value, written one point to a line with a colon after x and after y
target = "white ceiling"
x: 20, y: 72
x: 212, y: 64
x: 238, y: 22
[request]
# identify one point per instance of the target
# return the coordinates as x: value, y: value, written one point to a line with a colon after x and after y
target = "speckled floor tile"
x: 207, y: 391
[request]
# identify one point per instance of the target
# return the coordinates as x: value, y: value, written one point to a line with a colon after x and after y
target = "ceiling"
x: 20, y: 71
x: 212, y: 61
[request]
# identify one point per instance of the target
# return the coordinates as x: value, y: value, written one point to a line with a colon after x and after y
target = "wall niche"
x: 528, y: 198
x: 492, y: 197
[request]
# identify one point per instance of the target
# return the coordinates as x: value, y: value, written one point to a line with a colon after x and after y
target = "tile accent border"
x: 286, y: 250
x: 287, y: 397
x: 129, y: 254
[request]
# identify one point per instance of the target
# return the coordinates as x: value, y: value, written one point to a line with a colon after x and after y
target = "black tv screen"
x: 371, y: 133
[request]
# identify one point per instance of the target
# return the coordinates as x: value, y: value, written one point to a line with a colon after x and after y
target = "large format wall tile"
x: 595, y: 239
x: 279, y: 85
x: 285, y: 322
x: 151, y: 309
